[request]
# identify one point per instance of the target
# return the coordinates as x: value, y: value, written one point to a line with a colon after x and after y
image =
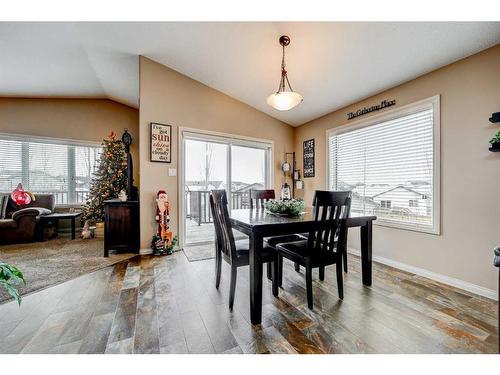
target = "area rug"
x: 52, y: 262
x: 199, y: 252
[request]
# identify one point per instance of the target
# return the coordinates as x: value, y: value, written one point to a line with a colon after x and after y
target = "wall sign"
x: 308, y: 152
x: 160, y: 143
x: 360, y: 112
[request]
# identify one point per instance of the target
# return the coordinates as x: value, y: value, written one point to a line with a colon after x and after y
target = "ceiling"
x: 331, y: 64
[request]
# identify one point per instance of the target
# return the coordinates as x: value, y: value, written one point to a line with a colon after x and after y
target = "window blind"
x: 388, y: 166
x: 64, y: 170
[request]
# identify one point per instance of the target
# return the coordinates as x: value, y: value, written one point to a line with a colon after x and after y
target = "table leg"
x: 366, y: 253
x: 256, y: 244
x: 73, y: 228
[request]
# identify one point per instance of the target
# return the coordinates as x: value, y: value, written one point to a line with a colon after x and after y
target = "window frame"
x: 54, y: 141
x: 421, y: 105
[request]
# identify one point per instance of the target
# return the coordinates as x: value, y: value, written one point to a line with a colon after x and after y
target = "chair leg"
x: 340, y: 280
x: 344, y: 257
x: 297, y: 267
x: 280, y: 270
x: 218, y: 268
x: 269, y: 270
x: 232, y: 286
x: 322, y: 273
x: 275, y: 276
x: 309, y: 287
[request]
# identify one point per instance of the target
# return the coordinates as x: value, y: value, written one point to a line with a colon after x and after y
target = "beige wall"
x: 470, y: 174
x: 169, y: 97
x: 77, y: 119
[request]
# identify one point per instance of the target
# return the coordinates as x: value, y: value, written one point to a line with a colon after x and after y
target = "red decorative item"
x: 21, y: 197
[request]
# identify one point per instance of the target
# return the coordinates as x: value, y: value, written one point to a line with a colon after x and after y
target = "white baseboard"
x: 457, y: 283
x: 147, y: 251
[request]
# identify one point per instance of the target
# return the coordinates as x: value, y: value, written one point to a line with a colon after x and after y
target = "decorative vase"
x: 99, y: 230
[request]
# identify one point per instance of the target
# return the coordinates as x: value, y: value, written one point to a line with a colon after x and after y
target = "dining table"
x: 258, y: 224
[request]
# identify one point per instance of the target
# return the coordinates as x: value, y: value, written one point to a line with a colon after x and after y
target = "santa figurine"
x: 163, y: 218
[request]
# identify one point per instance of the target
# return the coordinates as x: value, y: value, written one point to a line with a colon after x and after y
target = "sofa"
x: 20, y: 224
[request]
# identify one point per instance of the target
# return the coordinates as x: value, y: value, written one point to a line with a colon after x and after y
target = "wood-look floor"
x: 169, y: 305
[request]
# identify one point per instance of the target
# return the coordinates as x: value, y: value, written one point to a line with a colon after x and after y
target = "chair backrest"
x: 331, y: 208
x: 223, y: 230
x: 259, y: 197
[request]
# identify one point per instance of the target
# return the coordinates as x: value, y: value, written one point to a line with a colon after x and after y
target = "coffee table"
x: 56, y: 216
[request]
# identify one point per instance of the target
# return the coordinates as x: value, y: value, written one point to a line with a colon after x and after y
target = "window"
x: 385, y: 204
x: 390, y: 163
x: 47, y: 166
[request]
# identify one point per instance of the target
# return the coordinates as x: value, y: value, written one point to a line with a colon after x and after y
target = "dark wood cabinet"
x: 121, y: 226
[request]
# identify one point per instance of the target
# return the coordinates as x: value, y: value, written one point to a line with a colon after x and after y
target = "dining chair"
x: 325, y: 244
x: 258, y: 199
x: 235, y: 253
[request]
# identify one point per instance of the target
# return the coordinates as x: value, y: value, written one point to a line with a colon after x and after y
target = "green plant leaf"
x: 12, y: 291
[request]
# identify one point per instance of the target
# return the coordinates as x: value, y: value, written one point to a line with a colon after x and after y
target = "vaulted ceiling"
x: 331, y: 64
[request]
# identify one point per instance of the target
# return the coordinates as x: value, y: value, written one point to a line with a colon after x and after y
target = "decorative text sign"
x: 360, y: 112
x: 308, y: 153
x: 161, y: 143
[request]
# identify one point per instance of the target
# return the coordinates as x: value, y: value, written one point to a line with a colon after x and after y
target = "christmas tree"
x: 107, y: 181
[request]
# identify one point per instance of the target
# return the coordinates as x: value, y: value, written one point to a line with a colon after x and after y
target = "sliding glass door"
x: 214, y: 162
x: 205, y: 170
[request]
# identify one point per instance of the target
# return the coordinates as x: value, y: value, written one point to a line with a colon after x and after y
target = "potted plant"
x: 10, y: 276
x: 288, y: 207
x: 495, y: 142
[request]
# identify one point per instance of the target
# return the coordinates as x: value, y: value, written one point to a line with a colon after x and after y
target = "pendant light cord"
x: 284, y: 76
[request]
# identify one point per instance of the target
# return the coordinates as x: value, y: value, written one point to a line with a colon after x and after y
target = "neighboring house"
x: 406, y: 200
x: 243, y: 187
x: 410, y: 200
x: 363, y: 205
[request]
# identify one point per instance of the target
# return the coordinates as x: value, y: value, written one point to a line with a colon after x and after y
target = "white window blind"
x: 389, y: 167
x: 64, y: 170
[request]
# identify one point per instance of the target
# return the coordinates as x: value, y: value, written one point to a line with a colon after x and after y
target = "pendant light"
x: 284, y: 99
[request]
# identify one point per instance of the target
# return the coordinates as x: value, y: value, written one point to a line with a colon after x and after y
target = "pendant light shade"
x: 285, y: 98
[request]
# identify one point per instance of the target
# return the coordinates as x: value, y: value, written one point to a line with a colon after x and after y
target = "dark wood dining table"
x: 257, y: 224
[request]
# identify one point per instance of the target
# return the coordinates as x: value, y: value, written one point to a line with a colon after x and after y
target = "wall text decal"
x: 360, y: 112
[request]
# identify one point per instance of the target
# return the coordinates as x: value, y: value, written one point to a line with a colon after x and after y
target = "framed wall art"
x: 160, y: 143
x: 308, y: 154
